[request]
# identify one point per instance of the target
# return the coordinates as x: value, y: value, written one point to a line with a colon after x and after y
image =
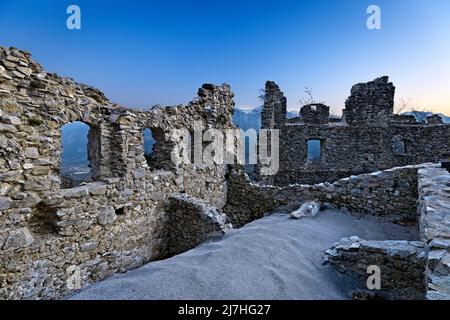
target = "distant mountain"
x: 251, y: 118
x: 421, y: 116
x: 444, y: 118
x: 74, y: 138
x: 74, y: 144
x: 247, y: 119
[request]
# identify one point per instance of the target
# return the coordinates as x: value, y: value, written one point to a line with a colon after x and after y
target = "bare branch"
x: 402, y: 105
x: 309, y: 99
x: 420, y: 114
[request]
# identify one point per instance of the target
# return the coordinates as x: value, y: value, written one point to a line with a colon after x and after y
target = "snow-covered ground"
x: 271, y: 258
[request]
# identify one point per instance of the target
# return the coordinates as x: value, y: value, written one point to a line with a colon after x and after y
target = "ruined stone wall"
x: 371, y: 102
x: 369, y: 139
x: 315, y: 113
x: 402, y: 265
x: 191, y: 221
x: 390, y: 194
x: 409, y: 270
x: 273, y: 114
x: 117, y: 222
x: 434, y: 211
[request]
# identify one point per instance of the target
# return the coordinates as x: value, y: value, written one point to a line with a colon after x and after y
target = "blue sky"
x: 159, y: 52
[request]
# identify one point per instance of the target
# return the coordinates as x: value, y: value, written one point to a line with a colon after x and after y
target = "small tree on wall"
x: 403, y: 106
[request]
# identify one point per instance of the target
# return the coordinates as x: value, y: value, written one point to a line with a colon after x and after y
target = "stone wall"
x: 371, y: 102
x: 119, y: 221
x: 432, y: 256
x: 434, y: 119
x: 390, y: 194
x: 401, y: 263
x: 367, y: 140
x: 315, y: 113
x: 273, y: 114
x: 191, y: 221
x: 434, y: 210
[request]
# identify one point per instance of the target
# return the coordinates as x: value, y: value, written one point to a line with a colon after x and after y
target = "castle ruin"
x: 138, y: 209
x: 368, y: 138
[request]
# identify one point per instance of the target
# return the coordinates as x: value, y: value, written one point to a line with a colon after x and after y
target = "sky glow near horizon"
x: 160, y: 52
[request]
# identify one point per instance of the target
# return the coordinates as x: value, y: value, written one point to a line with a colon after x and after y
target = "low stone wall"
x: 390, y: 194
x: 247, y: 201
x: 191, y: 221
x: 434, y: 210
x: 401, y: 263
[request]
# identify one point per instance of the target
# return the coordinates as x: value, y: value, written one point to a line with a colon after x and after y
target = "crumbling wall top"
x: 371, y: 102
x: 315, y: 113
x: 275, y: 107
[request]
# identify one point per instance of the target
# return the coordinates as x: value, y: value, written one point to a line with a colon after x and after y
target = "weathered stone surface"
x: 18, y: 239
x: 113, y: 221
x: 307, y: 209
x: 12, y: 120
x: 316, y: 113
x: 402, y: 264
x: 128, y: 214
x: 7, y: 128
x: 106, y: 216
x: 5, y: 203
x: 434, y: 211
x: 25, y: 71
x: 366, y: 140
x: 31, y: 153
x: 372, y: 193
x: 79, y: 192
x: 191, y: 221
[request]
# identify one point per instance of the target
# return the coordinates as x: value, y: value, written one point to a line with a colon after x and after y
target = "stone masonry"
x: 391, y: 194
x: 434, y: 210
x: 191, y: 221
x: 55, y: 240
x: 401, y: 263
x: 368, y: 138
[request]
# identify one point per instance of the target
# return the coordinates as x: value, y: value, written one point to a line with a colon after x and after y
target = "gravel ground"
x: 271, y: 258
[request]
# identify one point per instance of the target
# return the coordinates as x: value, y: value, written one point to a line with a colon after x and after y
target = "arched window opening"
x: 156, y: 150
x: 80, y: 154
x: 399, y: 147
x: 149, y: 143
x: 314, y: 152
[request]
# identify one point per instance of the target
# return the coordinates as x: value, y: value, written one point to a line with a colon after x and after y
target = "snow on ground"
x: 271, y: 258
